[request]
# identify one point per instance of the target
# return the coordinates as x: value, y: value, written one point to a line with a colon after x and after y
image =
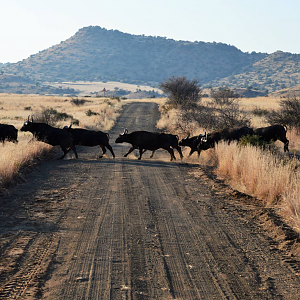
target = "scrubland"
x: 274, y: 179
x: 271, y: 178
x: 94, y: 113
x: 14, y: 109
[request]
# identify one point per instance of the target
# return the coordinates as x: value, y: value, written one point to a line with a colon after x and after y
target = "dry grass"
x: 255, y: 171
x: 106, y: 110
x: 290, y: 207
x: 263, y: 175
x: 14, y: 109
x: 249, y: 169
x: 13, y: 158
x: 168, y: 119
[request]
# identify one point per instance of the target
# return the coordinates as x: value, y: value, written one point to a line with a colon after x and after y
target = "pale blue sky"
x: 29, y: 26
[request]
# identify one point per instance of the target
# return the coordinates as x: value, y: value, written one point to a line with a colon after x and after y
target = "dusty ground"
x: 128, y: 229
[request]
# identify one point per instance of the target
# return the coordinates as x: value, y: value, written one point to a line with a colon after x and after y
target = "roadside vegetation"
x: 266, y: 174
x: 55, y: 111
x: 260, y: 170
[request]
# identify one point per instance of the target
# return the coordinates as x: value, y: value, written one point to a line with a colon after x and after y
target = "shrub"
x: 78, y: 102
x: 224, y: 96
x: 254, y: 140
x: 51, y: 116
x: 108, y: 102
x: 75, y: 122
x: 260, y: 112
x: 90, y: 113
x: 182, y: 92
x: 288, y: 114
x: 226, y: 112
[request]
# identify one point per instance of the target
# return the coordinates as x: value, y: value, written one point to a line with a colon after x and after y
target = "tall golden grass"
x: 14, y: 110
x: 290, y: 207
x: 14, y: 157
x: 259, y: 173
x: 255, y: 171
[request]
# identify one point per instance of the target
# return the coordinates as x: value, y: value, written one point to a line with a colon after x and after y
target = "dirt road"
x: 128, y: 229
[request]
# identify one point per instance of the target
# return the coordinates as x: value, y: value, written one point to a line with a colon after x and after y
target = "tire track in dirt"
x: 177, y: 233
x: 26, y: 248
x: 198, y: 265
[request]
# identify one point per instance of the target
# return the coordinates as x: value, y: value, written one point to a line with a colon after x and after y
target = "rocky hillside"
x: 276, y: 71
x: 96, y: 54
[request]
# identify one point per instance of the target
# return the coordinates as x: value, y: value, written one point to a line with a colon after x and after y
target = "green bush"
x: 254, y: 140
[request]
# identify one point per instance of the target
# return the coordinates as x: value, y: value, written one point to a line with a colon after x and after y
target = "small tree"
x: 182, y: 91
x: 226, y: 110
x: 288, y: 114
x: 224, y: 97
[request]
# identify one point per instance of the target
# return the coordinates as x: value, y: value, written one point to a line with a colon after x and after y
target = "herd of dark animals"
x: 207, y: 141
x: 67, y: 138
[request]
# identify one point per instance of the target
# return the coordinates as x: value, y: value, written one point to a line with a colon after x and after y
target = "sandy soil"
x: 127, y: 229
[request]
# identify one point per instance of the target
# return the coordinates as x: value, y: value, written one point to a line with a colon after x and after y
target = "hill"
x: 97, y: 54
x: 276, y: 71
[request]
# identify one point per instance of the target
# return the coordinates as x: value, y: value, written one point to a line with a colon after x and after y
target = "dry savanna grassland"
x: 274, y: 179
x: 92, y: 113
